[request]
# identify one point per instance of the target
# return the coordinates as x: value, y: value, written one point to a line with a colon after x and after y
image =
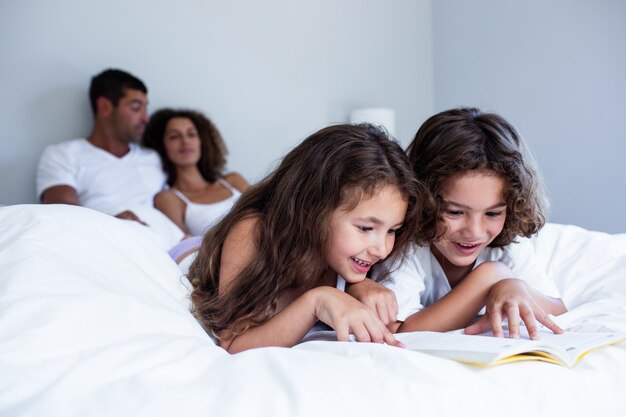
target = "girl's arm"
x: 173, y: 207
x: 335, y: 308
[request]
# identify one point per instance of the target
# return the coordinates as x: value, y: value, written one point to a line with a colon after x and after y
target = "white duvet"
x: 94, y: 321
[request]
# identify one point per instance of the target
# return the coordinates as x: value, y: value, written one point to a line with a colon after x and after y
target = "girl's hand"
x: 346, y: 315
x: 513, y: 299
x: 377, y: 298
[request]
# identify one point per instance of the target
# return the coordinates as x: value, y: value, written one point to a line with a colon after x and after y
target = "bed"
x: 94, y: 321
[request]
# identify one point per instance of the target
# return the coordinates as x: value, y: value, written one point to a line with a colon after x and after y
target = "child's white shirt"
x: 420, y: 281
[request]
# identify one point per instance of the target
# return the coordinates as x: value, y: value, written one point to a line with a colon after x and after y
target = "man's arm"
x: 60, y: 194
x: 64, y: 194
x: 56, y: 175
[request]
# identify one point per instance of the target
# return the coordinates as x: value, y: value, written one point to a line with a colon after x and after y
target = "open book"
x: 565, y: 349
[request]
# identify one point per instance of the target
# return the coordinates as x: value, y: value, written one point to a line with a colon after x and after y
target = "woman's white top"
x: 201, y: 217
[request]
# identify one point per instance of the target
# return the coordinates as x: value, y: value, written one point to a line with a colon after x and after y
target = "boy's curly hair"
x: 462, y: 140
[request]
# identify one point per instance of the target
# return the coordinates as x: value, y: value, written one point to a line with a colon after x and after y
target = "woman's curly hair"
x: 212, y: 149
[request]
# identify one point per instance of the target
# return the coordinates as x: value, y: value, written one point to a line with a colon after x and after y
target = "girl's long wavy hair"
x: 212, y: 148
x: 458, y: 141
x: 336, y: 166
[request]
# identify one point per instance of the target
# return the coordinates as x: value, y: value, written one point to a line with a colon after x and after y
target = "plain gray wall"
x: 556, y: 70
x: 268, y: 73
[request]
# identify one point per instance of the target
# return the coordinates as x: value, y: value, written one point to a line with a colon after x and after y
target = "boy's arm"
x: 461, y: 305
x: 378, y: 298
x: 395, y: 290
x: 516, y: 300
x: 453, y: 311
x: 489, y: 284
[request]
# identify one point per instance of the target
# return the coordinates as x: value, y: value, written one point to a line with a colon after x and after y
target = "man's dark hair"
x: 112, y: 83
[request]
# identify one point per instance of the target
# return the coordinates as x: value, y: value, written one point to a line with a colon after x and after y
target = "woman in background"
x: 193, y: 156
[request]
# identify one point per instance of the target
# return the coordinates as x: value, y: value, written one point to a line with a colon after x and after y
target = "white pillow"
x: 589, y: 270
x: 585, y: 265
x: 81, y: 287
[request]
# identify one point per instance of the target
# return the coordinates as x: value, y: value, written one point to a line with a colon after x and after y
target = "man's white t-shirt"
x: 109, y: 184
x: 103, y: 181
x: 420, y: 281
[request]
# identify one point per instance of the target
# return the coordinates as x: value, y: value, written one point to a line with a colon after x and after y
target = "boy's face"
x: 473, y: 217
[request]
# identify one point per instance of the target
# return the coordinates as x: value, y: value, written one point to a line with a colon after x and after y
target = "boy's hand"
x: 377, y: 298
x: 511, y: 299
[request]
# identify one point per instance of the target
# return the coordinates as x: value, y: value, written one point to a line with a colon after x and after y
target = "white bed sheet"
x: 94, y: 321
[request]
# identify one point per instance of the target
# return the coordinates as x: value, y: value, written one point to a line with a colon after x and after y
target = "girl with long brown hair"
x: 341, y: 201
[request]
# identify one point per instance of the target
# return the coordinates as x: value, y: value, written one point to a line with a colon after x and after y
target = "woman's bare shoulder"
x: 167, y: 198
x: 237, y: 180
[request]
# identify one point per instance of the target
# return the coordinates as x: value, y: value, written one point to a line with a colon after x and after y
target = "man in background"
x: 108, y: 171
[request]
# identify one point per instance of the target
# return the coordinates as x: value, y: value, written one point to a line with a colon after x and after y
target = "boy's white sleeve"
x: 55, y: 168
x: 407, y: 282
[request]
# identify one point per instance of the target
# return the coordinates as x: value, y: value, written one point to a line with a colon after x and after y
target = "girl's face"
x: 364, y: 235
x: 181, y: 141
x: 473, y: 215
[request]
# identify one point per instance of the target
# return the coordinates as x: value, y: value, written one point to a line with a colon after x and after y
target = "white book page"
x: 567, y: 347
x: 458, y: 346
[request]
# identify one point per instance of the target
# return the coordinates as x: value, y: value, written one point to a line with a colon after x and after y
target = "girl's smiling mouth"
x: 361, y: 265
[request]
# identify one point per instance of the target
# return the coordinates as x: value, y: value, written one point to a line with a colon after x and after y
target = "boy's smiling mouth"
x: 468, y: 245
x: 467, y: 248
